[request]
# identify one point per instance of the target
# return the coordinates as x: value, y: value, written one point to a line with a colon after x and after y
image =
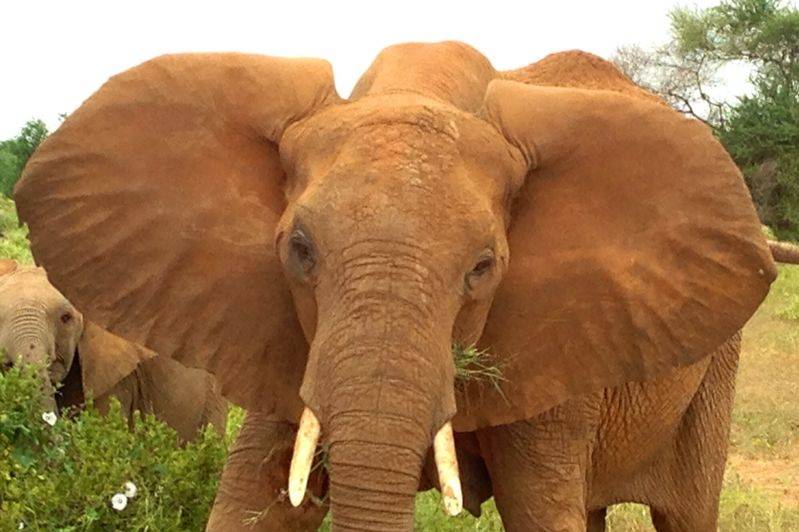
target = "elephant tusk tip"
x: 453, y: 500
x: 296, y: 494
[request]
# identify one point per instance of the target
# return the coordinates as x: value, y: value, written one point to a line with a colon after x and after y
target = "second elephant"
x: 38, y: 325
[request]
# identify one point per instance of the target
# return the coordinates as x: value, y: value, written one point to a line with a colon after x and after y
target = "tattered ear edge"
x: 106, y: 359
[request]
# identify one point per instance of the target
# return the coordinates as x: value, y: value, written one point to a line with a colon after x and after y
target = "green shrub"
x: 63, y: 477
x: 13, y: 237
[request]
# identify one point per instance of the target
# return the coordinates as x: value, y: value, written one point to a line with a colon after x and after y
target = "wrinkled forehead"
x: 401, y: 134
x: 28, y: 281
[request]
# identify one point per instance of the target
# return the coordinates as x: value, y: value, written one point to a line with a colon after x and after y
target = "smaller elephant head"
x: 39, y: 326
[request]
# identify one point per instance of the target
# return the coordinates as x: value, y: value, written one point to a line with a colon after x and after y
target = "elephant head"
x: 40, y: 327
x: 321, y: 255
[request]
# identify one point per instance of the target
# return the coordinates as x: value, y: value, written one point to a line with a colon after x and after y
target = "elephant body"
x: 186, y: 399
x: 40, y: 326
x: 639, y: 442
x: 322, y: 255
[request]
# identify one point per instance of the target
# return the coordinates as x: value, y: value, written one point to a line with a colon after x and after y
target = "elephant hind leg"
x: 596, y: 520
x: 684, y: 489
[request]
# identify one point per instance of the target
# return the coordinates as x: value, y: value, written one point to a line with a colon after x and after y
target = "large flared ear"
x: 106, y: 359
x: 634, y: 248
x: 153, y: 208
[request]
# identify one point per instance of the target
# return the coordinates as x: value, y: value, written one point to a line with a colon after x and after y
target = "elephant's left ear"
x: 634, y: 248
x: 106, y: 359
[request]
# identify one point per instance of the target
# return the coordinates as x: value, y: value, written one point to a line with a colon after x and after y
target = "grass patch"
x: 766, y: 414
x: 472, y: 364
x: 785, y: 294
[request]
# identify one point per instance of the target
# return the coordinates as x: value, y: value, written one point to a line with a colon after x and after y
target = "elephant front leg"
x: 252, y: 491
x: 539, y: 468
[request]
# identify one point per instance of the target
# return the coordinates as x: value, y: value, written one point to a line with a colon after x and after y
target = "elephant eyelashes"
x: 302, y: 252
x: 483, y: 266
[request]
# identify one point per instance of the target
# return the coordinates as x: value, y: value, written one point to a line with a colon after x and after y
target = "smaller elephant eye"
x: 302, y: 250
x: 66, y: 317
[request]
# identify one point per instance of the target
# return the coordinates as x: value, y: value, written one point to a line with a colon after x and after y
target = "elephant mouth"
x: 443, y: 450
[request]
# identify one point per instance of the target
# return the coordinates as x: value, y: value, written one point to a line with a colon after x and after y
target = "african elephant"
x: 38, y: 325
x: 321, y: 256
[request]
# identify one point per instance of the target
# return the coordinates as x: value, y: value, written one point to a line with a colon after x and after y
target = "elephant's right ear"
x: 635, y: 247
x: 153, y: 208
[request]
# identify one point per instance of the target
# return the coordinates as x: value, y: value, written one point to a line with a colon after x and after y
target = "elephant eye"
x: 66, y: 318
x: 302, y: 251
x: 483, y: 266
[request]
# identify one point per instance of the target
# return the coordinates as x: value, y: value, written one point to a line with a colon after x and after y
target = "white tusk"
x: 301, y: 460
x: 447, y: 464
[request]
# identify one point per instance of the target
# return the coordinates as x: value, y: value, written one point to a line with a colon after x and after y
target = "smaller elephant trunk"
x: 34, y: 352
x: 30, y: 343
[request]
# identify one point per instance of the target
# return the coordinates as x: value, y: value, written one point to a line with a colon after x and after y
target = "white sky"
x: 54, y: 54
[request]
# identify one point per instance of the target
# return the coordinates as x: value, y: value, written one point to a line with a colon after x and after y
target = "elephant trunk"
x: 29, y: 342
x: 378, y: 429
x: 380, y: 379
x: 374, y: 473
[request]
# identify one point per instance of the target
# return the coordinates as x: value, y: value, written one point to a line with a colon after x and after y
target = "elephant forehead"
x: 27, y: 278
x: 402, y: 135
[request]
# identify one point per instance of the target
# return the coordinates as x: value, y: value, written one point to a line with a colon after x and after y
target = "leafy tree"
x: 14, y: 153
x: 760, y: 130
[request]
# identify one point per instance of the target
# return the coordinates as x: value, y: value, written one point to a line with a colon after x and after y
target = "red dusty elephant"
x: 321, y: 255
x: 38, y: 325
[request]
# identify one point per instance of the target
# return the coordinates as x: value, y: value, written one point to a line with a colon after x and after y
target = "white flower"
x: 119, y: 501
x: 130, y: 489
x: 49, y: 418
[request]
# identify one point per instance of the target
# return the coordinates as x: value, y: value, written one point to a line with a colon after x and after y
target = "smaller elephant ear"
x: 106, y: 359
x: 634, y: 248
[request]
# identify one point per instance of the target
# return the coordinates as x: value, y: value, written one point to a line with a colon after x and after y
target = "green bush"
x: 63, y: 477
x: 13, y: 237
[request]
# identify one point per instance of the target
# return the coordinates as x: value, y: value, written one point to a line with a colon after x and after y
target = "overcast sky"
x: 54, y: 54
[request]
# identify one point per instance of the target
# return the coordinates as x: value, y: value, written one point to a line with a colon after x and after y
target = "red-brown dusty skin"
x: 233, y: 212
